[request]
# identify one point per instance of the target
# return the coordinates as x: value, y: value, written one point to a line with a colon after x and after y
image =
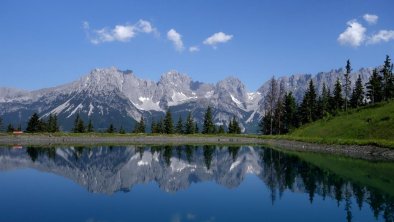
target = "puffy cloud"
x: 354, y: 35
x: 216, y: 38
x: 371, y: 19
x: 176, y: 39
x: 194, y: 49
x: 146, y: 27
x: 381, y: 36
x: 121, y: 33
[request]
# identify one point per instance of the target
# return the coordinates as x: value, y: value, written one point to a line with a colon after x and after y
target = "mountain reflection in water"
x: 117, y: 169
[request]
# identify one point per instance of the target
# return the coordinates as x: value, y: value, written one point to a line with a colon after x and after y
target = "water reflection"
x: 118, y: 169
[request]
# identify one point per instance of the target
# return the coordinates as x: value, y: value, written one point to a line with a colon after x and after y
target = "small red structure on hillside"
x: 17, y: 132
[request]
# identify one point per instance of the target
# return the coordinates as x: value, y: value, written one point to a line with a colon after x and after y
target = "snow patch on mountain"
x: 79, y: 107
x: 147, y: 104
x: 91, y: 107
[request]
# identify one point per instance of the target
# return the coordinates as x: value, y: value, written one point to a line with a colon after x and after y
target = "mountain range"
x: 110, y: 95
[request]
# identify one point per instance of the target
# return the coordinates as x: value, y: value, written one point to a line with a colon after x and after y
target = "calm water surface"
x: 190, y: 183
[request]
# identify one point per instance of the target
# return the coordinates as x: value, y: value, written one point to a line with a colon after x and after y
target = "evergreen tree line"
x: 189, y: 126
x: 37, y: 124
x: 162, y: 126
x: 283, y: 114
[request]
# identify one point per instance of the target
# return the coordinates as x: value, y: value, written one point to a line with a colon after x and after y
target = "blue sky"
x: 47, y: 43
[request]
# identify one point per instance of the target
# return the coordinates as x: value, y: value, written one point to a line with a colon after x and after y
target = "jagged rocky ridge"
x: 113, y: 96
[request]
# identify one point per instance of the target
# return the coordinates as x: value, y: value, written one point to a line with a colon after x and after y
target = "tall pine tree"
x: 347, y: 83
x: 357, y: 98
x: 168, y: 123
x: 33, y: 125
x: 337, y: 97
x: 189, y: 126
x: 387, y: 77
x: 233, y: 127
x: 323, y: 102
x: 208, y: 127
x: 290, y: 120
x: 179, y: 126
x: 140, y: 126
x: 309, y: 105
x: 374, y: 87
x: 79, y: 126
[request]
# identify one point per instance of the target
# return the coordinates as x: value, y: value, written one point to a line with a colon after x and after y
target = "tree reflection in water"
x: 278, y: 170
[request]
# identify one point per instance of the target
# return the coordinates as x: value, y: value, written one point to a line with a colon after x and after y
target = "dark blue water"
x: 179, y: 184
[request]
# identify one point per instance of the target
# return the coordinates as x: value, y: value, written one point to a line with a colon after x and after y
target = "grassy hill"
x: 367, y: 125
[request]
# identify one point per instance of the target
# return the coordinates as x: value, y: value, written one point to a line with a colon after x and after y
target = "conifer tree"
x: 52, y: 124
x: 140, y: 126
x: 189, y: 126
x: 234, y: 127
x: 337, y: 96
x: 357, y: 98
x: 323, y: 102
x: 387, y: 79
x: 80, y: 126
x: 279, y: 109
x: 374, y: 87
x: 347, y: 83
x: 34, y: 123
x: 237, y: 128
x: 309, y: 105
x: 111, y: 128
x: 1, y: 123
x: 208, y: 127
x: 55, y: 125
x: 290, y: 120
x: 168, y: 123
x: 160, y: 126
x: 179, y: 126
x: 76, y: 122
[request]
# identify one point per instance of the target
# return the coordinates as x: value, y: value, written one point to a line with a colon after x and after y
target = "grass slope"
x: 368, y: 125
x: 378, y: 175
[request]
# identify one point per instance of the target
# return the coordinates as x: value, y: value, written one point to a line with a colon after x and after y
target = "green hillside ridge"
x: 373, y: 124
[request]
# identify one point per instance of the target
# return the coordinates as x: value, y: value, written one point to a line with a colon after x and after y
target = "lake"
x: 190, y: 183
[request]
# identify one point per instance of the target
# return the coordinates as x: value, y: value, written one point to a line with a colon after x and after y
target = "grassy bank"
x: 371, y: 125
x: 358, y: 171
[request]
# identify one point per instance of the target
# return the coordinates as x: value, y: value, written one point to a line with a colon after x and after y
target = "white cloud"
x: 381, y: 36
x: 146, y: 27
x: 194, y: 49
x: 371, y: 19
x: 354, y: 35
x: 216, y: 38
x: 121, y: 33
x: 176, y: 39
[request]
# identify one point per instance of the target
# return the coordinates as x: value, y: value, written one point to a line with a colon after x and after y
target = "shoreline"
x: 367, y: 152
